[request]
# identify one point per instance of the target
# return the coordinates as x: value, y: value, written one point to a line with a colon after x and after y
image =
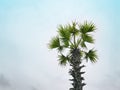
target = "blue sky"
x: 26, y: 27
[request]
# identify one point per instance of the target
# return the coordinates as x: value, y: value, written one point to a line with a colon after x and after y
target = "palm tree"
x: 71, y: 44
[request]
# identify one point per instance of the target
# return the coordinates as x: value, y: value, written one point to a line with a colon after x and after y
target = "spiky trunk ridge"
x: 75, y: 71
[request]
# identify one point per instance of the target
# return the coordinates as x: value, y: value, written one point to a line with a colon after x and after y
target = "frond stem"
x: 74, y: 40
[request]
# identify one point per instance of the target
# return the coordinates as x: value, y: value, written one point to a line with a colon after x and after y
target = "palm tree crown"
x: 73, y: 36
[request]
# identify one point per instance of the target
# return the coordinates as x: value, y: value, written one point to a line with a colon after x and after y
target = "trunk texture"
x: 75, y: 71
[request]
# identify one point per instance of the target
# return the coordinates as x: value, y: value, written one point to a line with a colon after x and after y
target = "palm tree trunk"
x: 75, y: 71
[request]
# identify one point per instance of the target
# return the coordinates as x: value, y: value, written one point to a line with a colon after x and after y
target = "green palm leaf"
x: 87, y: 27
x: 83, y: 44
x: 72, y: 28
x: 87, y: 38
x: 65, y: 42
x: 54, y: 43
x: 64, y: 35
x: 91, y: 55
x: 64, y: 32
x: 63, y: 59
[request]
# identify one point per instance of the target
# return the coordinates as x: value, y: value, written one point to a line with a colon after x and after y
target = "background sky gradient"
x: 26, y: 27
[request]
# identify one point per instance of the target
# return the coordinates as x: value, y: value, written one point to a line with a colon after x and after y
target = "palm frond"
x: 54, y: 43
x: 87, y: 27
x: 63, y: 59
x: 64, y: 35
x: 72, y: 28
x: 65, y: 42
x: 91, y: 27
x: 91, y: 55
x: 83, y: 44
x: 60, y: 48
x: 87, y: 38
x: 64, y: 32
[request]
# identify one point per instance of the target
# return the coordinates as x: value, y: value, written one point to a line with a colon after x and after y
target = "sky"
x: 26, y: 27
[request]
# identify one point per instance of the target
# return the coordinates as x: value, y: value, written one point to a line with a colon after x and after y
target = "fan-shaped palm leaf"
x: 64, y: 32
x: 72, y: 28
x: 83, y: 44
x: 63, y: 59
x: 87, y: 27
x: 64, y: 35
x: 91, y: 55
x: 87, y: 38
x: 55, y: 43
